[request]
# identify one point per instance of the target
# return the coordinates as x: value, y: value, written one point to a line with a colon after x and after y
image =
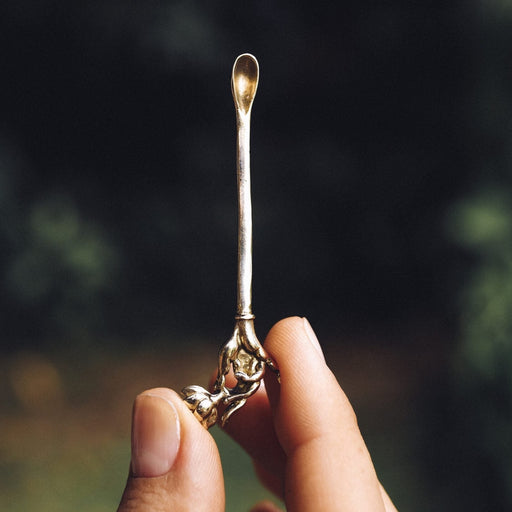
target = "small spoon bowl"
x: 244, y: 81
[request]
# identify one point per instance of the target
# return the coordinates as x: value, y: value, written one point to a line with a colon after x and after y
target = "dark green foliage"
x: 475, y: 433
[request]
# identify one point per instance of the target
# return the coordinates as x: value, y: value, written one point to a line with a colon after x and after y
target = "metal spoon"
x: 242, y: 353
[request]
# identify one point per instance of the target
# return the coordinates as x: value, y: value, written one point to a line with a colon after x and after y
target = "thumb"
x: 175, y: 463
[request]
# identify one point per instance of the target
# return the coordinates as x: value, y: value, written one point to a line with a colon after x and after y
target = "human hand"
x: 302, y: 435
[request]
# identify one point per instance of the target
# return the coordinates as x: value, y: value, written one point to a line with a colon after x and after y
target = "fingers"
x: 388, y: 504
x: 271, y: 479
x: 253, y: 428
x: 306, y: 441
x: 175, y: 463
x: 328, y: 466
x: 265, y: 506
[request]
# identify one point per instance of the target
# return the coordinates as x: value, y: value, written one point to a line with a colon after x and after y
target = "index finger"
x: 328, y: 465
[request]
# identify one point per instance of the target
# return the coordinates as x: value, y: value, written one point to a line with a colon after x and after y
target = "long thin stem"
x: 244, y: 305
x: 244, y: 82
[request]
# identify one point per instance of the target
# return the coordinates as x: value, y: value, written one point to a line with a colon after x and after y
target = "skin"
x: 302, y: 436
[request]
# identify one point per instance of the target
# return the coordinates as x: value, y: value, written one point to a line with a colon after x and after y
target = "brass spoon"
x: 242, y: 353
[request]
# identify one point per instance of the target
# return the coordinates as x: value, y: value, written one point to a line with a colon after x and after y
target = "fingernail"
x: 312, y: 337
x: 155, y: 436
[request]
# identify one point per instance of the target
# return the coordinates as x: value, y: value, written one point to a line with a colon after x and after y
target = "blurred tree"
x: 471, y: 418
x: 63, y: 267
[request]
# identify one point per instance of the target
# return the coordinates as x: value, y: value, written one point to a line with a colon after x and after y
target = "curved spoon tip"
x: 244, y: 81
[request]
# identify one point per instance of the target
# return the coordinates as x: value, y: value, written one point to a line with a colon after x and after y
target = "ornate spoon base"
x: 246, y: 357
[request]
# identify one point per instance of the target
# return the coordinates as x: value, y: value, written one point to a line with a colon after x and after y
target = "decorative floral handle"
x: 243, y: 354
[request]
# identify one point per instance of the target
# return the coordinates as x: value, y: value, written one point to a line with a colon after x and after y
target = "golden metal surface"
x: 242, y: 353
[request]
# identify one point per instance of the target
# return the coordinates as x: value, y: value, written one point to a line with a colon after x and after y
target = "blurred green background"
x: 382, y: 194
